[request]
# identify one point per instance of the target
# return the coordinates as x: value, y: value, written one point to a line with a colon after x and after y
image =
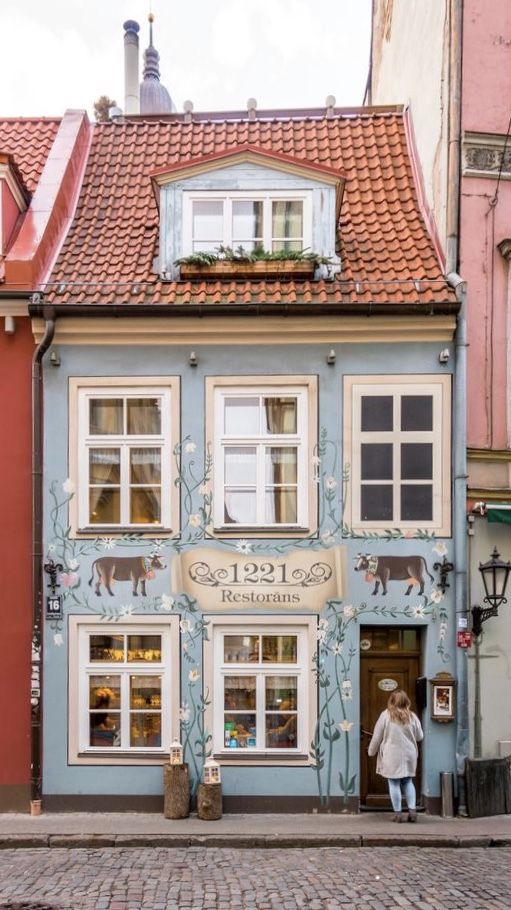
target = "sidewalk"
x: 153, y: 830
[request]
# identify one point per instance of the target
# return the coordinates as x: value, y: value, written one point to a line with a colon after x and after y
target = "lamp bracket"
x: 444, y: 568
x: 480, y: 615
x: 52, y: 569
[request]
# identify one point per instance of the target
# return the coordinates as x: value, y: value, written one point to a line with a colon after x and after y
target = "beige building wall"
x: 416, y: 33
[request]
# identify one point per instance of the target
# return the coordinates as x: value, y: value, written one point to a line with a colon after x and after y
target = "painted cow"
x: 393, y: 568
x: 125, y: 568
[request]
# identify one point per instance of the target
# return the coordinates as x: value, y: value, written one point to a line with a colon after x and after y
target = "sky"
x: 59, y: 54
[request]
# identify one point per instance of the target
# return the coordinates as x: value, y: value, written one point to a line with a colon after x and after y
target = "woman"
x: 395, y: 738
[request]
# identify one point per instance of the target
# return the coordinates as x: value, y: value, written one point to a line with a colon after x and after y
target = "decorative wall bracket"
x: 444, y: 568
x: 52, y: 569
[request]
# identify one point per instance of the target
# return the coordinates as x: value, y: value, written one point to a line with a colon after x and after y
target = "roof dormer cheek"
x: 14, y: 199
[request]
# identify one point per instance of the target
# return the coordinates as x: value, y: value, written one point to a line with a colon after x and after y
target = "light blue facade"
x: 332, y: 777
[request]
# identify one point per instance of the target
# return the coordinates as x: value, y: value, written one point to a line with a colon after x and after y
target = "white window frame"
x: 305, y: 628
x: 439, y: 387
x: 305, y: 390
x: 80, y: 668
x: 82, y: 390
x: 189, y: 197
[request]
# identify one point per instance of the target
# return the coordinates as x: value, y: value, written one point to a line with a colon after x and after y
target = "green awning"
x: 499, y: 513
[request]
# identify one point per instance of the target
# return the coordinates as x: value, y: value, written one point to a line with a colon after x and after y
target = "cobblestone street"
x: 227, y: 879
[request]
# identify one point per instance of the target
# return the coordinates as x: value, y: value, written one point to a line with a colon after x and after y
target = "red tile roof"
x: 29, y: 141
x: 387, y: 254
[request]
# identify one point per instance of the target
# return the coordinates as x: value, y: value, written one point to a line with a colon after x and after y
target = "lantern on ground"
x: 176, y: 753
x: 211, y: 772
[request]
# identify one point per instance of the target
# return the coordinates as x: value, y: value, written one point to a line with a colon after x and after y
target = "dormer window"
x: 266, y: 202
x: 275, y: 222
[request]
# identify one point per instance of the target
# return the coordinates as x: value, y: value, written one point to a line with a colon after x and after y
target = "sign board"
x: 54, y: 607
x: 464, y: 639
x: 297, y: 579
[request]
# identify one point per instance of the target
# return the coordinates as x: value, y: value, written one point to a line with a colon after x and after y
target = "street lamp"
x: 495, y: 574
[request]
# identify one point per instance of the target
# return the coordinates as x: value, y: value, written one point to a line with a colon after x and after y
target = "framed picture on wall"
x: 443, y: 697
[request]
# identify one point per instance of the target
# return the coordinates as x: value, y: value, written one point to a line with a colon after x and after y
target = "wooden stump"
x: 177, y: 791
x: 209, y: 801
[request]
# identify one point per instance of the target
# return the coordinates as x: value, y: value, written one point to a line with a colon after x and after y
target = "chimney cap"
x: 131, y: 26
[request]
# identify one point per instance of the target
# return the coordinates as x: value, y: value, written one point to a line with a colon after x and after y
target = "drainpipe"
x: 454, y: 135
x: 460, y: 540
x: 36, y: 684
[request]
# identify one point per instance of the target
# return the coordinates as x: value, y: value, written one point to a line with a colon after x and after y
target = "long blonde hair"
x: 398, y: 707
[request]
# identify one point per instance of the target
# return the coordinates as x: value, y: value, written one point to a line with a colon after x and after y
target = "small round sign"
x: 365, y: 644
x: 387, y: 685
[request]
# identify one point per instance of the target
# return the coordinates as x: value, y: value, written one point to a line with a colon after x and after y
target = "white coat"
x: 396, y: 745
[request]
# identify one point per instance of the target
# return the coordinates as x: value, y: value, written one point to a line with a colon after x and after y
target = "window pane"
x: 144, y: 647
x: 104, y: 720
x: 376, y: 502
x: 417, y: 461
x: 287, y: 220
x: 207, y: 221
x: 376, y: 413
x: 281, y: 506
x: 145, y: 465
x: 106, y: 648
x: 240, y: 731
x: 240, y: 465
x: 376, y: 461
x: 104, y: 506
x: 281, y: 731
x: 145, y: 692
x: 247, y: 222
x: 281, y: 464
x: 105, y: 416
x: 144, y: 416
x: 280, y: 415
x: 239, y: 693
x: 241, y: 416
x: 281, y: 693
x: 240, y: 507
x: 241, y: 648
x: 145, y: 506
x: 145, y: 730
x: 104, y: 466
x: 105, y: 730
x: 104, y: 692
x: 280, y: 245
x: 417, y: 412
x: 280, y: 649
x: 416, y: 502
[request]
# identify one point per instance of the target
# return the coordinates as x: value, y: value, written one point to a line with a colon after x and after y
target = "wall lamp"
x: 9, y: 325
x: 495, y: 574
x: 331, y: 357
x: 192, y: 360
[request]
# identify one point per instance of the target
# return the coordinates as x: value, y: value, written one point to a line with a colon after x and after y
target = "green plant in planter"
x: 240, y: 254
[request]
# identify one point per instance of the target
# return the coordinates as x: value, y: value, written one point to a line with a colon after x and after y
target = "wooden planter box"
x: 263, y: 268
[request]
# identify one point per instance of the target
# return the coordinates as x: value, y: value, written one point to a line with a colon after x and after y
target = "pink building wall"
x: 485, y: 220
x: 486, y: 65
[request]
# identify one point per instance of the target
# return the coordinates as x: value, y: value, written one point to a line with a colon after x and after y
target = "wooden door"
x: 392, y: 661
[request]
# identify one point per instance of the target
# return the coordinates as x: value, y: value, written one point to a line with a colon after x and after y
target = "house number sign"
x: 54, y: 607
x: 300, y: 578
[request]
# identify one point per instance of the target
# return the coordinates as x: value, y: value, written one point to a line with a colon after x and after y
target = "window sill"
x: 254, y: 758
x: 117, y: 533
x: 251, y: 531
x: 111, y: 757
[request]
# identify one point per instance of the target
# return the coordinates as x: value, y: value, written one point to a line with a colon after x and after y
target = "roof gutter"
x: 248, y: 309
x: 36, y: 739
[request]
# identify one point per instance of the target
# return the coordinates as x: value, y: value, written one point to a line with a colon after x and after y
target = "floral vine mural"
x: 94, y: 569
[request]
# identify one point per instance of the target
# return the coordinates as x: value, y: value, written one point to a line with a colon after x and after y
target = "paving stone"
x: 212, y: 878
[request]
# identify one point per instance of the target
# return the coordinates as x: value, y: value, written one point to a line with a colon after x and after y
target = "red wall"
x: 15, y: 563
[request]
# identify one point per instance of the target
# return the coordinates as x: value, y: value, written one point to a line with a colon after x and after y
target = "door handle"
x: 365, y: 733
